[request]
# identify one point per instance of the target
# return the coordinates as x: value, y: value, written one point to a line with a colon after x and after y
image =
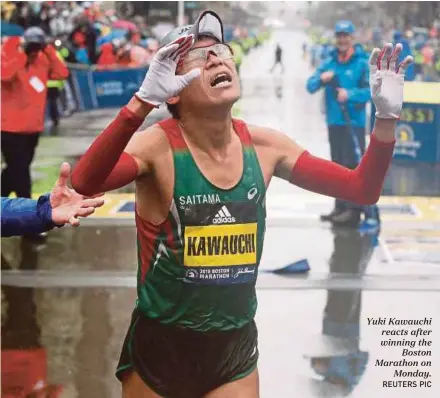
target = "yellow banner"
x: 220, y: 245
x: 421, y: 93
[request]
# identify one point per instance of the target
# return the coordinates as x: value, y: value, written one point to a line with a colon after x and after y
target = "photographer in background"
x: 25, y: 70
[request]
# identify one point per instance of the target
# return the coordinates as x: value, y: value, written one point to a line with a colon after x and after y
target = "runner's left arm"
x: 362, y: 185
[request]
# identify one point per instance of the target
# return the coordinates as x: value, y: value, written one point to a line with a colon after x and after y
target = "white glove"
x: 386, y: 82
x: 161, y: 82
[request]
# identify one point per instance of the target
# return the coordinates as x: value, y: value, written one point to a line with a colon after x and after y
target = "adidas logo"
x: 223, y: 216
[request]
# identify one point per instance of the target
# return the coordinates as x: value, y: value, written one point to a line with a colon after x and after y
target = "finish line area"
x: 318, y: 287
x: 290, y: 207
x: 405, y: 256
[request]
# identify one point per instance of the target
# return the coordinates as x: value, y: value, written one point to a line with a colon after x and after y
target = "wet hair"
x: 173, y: 109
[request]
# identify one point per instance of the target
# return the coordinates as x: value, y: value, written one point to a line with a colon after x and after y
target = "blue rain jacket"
x: 353, y: 76
x: 22, y: 216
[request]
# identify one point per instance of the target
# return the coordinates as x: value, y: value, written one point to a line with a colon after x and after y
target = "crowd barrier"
x: 105, y: 88
x: 418, y: 130
x: 94, y: 88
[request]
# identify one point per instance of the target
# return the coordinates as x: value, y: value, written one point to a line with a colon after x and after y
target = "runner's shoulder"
x: 274, y: 143
x: 151, y: 142
x: 265, y: 136
x: 148, y: 147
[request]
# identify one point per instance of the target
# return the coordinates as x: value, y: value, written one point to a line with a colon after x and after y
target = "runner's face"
x: 343, y: 41
x: 218, y: 83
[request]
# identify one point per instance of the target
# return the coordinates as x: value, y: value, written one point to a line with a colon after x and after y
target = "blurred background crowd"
x: 414, y: 24
x: 111, y: 35
x: 61, y: 57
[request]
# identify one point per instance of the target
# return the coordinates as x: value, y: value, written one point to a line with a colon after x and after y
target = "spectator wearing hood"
x: 398, y: 37
x: 24, y: 75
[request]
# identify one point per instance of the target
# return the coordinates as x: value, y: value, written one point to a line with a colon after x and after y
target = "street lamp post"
x: 180, y: 13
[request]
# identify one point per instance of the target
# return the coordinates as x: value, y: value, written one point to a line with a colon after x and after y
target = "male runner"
x: 278, y: 58
x: 201, y: 180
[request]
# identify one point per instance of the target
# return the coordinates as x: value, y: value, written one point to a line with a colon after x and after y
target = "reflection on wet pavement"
x: 336, y: 356
x: 71, y: 336
x: 66, y: 305
x: 421, y: 179
x: 67, y: 337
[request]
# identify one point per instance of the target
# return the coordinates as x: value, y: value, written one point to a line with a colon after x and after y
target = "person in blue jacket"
x: 344, y: 77
x: 21, y: 216
x: 410, y: 73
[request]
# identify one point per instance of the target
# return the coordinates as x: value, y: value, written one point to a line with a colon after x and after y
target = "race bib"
x: 222, y: 249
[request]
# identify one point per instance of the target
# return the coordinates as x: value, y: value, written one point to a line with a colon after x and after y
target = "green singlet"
x: 198, y: 268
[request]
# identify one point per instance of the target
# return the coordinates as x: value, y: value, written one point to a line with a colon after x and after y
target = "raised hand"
x: 67, y: 205
x: 161, y: 82
x: 387, y: 80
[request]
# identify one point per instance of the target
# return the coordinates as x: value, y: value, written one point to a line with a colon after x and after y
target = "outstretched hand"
x: 387, y: 80
x: 67, y: 205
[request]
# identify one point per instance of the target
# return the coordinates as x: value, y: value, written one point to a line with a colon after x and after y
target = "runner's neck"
x: 206, y: 132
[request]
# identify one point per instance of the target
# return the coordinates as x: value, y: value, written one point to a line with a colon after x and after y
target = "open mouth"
x: 222, y: 79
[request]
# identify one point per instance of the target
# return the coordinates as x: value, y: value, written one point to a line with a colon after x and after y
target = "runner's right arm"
x: 105, y: 165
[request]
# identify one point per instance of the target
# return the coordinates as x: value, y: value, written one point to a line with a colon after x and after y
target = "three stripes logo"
x: 223, y: 216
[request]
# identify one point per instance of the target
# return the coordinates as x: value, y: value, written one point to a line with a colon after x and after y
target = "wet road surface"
x: 66, y: 304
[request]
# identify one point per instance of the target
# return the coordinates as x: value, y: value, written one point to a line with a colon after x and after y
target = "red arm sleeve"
x: 362, y: 185
x: 105, y: 166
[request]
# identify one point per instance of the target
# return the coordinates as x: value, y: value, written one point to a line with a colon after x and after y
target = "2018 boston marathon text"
x: 417, y: 344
